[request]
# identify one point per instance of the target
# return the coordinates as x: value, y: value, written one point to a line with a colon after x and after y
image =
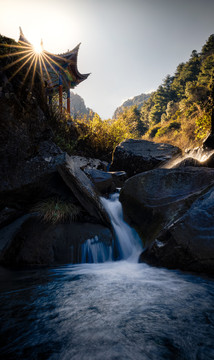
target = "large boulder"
x: 89, y: 163
x: 83, y: 189
x: 156, y: 199
x: 106, y: 182
x: 102, y: 180
x: 188, y: 244
x: 136, y: 156
x: 34, y: 179
x: 30, y: 241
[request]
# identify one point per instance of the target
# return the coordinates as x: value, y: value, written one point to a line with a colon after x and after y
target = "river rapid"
x: 114, y: 310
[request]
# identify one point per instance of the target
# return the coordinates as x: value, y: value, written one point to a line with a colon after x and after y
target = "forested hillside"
x: 180, y: 110
x: 138, y: 101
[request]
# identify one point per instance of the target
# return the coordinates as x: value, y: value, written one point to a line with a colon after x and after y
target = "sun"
x: 37, y: 47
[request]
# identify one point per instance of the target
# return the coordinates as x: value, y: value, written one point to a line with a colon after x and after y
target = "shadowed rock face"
x: 187, y: 244
x: 156, y: 199
x: 136, y: 156
x: 83, y: 189
x: 29, y: 241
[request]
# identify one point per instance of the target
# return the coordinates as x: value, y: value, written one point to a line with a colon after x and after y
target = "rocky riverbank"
x: 170, y: 208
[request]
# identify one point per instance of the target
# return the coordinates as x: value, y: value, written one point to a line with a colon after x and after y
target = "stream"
x: 111, y: 310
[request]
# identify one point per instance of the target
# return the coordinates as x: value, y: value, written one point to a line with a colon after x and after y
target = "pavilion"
x: 59, y: 72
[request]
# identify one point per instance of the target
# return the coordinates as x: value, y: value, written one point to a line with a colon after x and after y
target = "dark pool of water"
x: 106, y: 311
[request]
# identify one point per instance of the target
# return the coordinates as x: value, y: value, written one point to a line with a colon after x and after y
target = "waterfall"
x: 95, y: 251
x: 126, y: 244
x: 198, y: 154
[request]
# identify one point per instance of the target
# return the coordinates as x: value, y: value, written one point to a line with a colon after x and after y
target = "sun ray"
x: 16, y: 61
x: 53, y: 61
x: 40, y: 68
x: 16, y: 53
x: 29, y: 68
x: 19, y: 69
x: 45, y: 67
x: 16, y: 46
x: 52, y: 67
x: 56, y: 56
x: 34, y: 71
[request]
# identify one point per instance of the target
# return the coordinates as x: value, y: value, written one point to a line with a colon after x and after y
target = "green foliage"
x: 100, y: 137
x: 202, y: 126
x: 173, y: 125
x: 183, y: 98
x: 153, y: 131
x: 55, y: 211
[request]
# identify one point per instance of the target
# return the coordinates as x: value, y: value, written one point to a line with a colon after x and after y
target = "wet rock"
x: 83, y: 189
x: 154, y: 200
x: 119, y: 178
x: 102, y: 180
x: 188, y: 162
x: 8, y: 233
x: 8, y: 215
x: 210, y: 161
x: 187, y: 244
x: 33, y: 242
x: 136, y: 156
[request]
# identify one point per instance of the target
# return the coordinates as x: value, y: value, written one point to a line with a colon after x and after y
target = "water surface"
x: 116, y: 310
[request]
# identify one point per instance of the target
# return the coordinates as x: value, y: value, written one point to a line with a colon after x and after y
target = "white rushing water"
x: 127, y: 241
x: 126, y: 245
x: 197, y: 154
x: 95, y: 251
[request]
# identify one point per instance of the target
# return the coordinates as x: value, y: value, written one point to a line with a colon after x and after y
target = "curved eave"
x: 68, y: 60
x: 73, y: 64
x: 22, y: 38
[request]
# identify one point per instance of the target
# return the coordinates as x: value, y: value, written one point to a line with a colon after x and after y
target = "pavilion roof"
x: 64, y: 65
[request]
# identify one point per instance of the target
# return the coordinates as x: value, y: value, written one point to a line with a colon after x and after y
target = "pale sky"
x: 128, y: 46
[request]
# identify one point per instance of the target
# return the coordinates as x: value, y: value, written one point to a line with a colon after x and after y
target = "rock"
x: 155, y: 199
x: 188, y: 162
x: 136, y: 156
x: 188, y: 244
x: 36, y: 179
x: 102, y: 180
x: 89, y: 163
x: 8, y: 215
x: 33, y: 242
x: 210, y: 161
x: 83, y: 189
x: 45, y: 161
x: 8, y: 233
x: 106, y: 182
x: 209, y: 142
x: 119, y: 178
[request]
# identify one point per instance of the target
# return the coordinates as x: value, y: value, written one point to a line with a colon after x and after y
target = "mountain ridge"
x: 137, y: 100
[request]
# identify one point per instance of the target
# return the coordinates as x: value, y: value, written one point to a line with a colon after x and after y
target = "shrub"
x: 153, y: 130
x: 56, y: 210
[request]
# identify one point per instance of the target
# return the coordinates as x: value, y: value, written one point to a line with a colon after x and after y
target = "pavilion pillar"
x: 60, y: 92
x: 68, y: 101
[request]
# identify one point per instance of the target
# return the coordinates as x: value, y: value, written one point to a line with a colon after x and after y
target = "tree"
x: 208, y: 48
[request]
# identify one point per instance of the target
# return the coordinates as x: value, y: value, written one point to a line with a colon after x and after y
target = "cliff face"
x: 136, y: 100
x: 78, y: 107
